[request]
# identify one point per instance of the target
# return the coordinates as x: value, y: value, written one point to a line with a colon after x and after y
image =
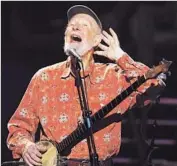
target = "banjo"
x: 56, y: 152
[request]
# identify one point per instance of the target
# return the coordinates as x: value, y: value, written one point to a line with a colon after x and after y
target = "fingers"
x: 27, y: 161
x: 110, y: 40
x: 109, y: 37
x: 31, y: 161
x: 102, y: 53
x: 41, y: 148
x: 105, y: 39
x: 114, y: 36
x: 35, y: 157
x: 38, y: 154
x: 111, y: 49
x: 103, y: 47
x: 32, y: 156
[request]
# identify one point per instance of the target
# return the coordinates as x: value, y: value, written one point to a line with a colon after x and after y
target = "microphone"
x: 72, y: 52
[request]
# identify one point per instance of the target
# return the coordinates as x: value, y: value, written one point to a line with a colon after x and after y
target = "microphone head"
x: 72, y: 52
x: 67, y: 51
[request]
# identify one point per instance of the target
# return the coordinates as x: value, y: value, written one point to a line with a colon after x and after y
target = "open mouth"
x: 76, y: 38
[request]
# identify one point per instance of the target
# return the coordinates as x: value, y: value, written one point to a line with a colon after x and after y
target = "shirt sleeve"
x: 23, y: 124
x: 147, y: 92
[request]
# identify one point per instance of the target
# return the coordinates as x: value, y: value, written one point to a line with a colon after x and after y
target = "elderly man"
x: 52, y: 97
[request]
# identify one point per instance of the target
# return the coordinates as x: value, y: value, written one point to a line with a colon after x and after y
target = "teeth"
x: 76, y: 38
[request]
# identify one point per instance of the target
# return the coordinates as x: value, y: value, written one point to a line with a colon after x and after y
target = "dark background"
x: 32, y: 37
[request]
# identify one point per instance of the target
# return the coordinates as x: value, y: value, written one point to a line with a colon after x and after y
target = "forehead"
x: 85, y: 18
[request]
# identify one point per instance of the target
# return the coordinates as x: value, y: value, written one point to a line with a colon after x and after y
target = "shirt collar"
x: 67, y: 69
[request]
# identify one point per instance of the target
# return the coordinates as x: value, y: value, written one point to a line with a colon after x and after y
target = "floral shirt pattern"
x: 52, y: 99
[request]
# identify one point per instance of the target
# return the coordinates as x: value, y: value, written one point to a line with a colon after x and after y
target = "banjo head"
x: 49, y: 158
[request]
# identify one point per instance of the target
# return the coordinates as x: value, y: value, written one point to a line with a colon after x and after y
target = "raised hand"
x: 113, y: 50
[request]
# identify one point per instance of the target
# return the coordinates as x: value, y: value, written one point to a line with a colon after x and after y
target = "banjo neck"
x: 79, y: 133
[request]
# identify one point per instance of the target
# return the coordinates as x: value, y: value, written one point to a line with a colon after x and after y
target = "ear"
x: 97, y: 39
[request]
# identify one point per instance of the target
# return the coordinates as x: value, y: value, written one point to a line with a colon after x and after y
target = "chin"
x: 80, y: 49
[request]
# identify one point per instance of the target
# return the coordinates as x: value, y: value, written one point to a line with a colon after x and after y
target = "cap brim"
x: 85, y: 10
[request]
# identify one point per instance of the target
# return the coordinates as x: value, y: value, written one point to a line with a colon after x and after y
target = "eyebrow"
x: 85, y: 21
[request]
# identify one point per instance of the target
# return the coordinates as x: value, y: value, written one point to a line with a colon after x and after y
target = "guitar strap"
x: 40, y: 130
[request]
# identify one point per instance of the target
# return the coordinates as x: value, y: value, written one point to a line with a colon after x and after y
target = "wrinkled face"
x: 81, y: 34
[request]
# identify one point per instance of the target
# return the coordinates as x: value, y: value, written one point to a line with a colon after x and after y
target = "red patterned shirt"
x: 52, y: 99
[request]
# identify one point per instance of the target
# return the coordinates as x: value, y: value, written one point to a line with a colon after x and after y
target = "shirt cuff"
x: 121, y: 61
x: 20, y: 149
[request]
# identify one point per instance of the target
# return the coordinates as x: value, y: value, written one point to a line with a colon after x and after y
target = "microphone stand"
x: 85, y: 112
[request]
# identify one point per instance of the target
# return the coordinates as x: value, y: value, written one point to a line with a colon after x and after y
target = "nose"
x: 75, y: 27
